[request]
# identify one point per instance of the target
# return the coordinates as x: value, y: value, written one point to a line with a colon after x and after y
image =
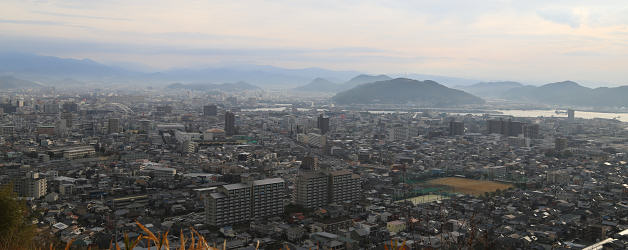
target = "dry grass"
x: 394, y: 245
x: 469, y: 186
x: 193, y: 243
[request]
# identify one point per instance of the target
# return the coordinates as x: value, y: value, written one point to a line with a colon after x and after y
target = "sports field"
x: 469, y: 186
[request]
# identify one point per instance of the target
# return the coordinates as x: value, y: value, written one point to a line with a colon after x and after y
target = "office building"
x: 210, y: 110
x: 323, y: 124
x: 571, y: 114
x: 229, y: 124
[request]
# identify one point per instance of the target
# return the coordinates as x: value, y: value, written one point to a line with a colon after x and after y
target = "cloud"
x: 31, y: 22
x: 561, y: 16
x: 473, y: 39
x: 80, y: 16
x: 72, y: 48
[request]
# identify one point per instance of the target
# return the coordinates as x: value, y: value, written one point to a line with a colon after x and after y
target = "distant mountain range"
x: 324, y: 85
x: 10, y: 82
x: 567, y: 93
x: 444, y: 80
x: 570, y: 93
x: 227, y: 87
x: 320, y: 85
x: 406, y: 91
x: 54, y: 69
x: 362, y: 79
x: 490, y: 89
x: 49, y: 68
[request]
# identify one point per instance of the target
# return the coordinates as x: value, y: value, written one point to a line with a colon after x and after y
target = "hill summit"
x: 406, y: 91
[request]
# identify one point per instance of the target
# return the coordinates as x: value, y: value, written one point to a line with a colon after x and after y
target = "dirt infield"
x: 469, y: 186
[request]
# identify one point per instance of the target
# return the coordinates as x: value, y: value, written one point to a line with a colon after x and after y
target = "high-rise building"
x: 242, y: 202
x: 456, y: 128
x: 188, y: 146
x: 323, y: 124
x: 571, y: 114
x: 309, y: 163
x: 232, y: 100
x: 113, y: 125
x: 231, y: 204
x: 31, y: 186
x: 399, y: 132
x: 268, y: 197
x: 51, y: 108
x: 70, y: 107
x: 315, y: 189
x: 531, y: 131
x: 210, y: 110
x: 514, y: 128
x: 229, y: 124
x: 7, y: 108
x: 312, y: 189
x: 494, y: 126
x: 68, y: 118
x: 507, y: 128
x: 88, y: 128
x: 344, y: 186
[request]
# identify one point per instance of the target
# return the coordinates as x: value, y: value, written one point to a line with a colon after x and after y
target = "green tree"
x: 16, y: 231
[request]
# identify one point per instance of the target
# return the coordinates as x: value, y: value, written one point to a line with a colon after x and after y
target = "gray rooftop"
x: 268, y: 181
x: 235, y: 186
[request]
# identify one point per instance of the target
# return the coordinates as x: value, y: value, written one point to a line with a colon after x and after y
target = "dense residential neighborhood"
x: 261, y: 167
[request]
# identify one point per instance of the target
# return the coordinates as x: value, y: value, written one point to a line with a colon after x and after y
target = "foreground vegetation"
x: 18, y: 232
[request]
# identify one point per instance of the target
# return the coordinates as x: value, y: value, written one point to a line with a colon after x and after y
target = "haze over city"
x: 534, y: 42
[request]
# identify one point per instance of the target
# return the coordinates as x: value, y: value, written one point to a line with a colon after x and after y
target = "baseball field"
x: 469, y: 186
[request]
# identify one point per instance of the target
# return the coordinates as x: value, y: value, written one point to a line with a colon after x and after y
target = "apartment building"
x: 242, y: 202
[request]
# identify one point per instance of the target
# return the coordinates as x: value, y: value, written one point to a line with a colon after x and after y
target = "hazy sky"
x: 527, y: 40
